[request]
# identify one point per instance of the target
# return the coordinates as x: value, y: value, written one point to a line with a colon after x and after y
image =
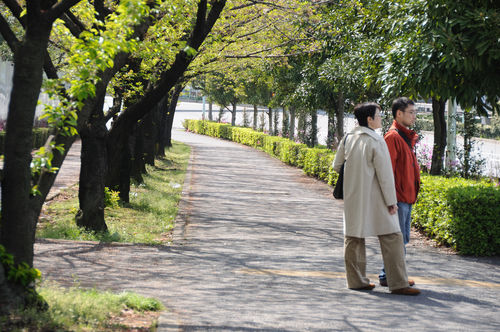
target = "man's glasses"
x: 412, y: 112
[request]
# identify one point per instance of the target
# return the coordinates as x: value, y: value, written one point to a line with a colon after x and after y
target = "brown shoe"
x: 406, y: 291
x: 383, y: 282
x: 370, y: 286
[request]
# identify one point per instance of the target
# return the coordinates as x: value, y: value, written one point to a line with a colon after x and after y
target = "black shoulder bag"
x: 338, y: 191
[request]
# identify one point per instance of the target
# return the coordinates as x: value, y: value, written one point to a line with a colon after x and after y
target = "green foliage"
x: 21, y: 274
x: 476, y: 227
x: 462, y: 214
x: 442, y: 48
x: 111, y: 198
x: 248, y: 137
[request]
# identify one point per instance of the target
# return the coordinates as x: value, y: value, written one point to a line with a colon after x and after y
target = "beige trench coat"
x: 368, y: 184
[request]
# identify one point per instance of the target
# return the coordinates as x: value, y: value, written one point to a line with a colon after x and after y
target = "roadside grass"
x: 78, y: 309
x: 148, y: 218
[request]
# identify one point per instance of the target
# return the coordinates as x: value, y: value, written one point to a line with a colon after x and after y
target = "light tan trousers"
x: 392, y: 253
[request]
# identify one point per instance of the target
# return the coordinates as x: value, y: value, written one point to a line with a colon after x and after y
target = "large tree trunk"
x: 18, y: 220
x: 439, y: 136
x: 291, y: 133
x: 210, y: 115
x: 19, y: 206
x: 92, y: 173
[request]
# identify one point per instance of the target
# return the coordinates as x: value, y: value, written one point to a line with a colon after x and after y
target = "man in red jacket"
x: 401, y: 142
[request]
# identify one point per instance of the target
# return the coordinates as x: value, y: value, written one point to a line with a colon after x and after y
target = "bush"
x: 462, y: 214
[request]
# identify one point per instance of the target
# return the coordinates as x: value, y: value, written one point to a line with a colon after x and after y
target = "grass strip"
x: 148, y: 218
x: 78, y: 309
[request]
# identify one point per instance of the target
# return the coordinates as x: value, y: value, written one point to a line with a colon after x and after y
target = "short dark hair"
x: 401, y: 104
x: 365, y: 110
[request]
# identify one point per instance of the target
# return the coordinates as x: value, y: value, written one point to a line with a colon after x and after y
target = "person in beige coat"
x: 370, y: 203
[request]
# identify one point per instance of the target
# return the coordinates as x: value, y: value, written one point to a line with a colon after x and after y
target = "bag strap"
x: 345, y: 139
x: 407, y: 140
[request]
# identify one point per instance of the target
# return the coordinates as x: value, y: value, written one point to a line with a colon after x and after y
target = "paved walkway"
x: 69, y: 173
x: 258, y: 247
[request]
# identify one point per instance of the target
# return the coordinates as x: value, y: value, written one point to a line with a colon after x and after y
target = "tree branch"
x: 76, y: 20
x: 16, y: 10
x: 59, y: 8
x: 254, y: 55
x: 8, y: 34
x: 102, y: 10
x: 71, y: 25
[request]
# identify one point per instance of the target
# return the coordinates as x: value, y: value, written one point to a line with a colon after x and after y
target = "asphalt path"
x: 258, y: 246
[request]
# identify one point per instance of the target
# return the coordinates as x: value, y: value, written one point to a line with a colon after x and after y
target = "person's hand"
x: 392, y: 209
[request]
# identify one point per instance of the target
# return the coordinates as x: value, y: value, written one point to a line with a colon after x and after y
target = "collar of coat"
x: 359, y: 130
x: 411, y: 134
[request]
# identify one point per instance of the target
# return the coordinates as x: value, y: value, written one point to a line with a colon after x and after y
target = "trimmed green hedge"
x: 40, y: 136
x: 464, y: 214
x: 314, y: 161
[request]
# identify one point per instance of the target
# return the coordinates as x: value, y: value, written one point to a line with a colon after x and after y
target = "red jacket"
x: 404, y: 163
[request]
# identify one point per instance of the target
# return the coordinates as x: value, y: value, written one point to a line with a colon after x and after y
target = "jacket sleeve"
x: 383, y: 169
x: 339, y: 156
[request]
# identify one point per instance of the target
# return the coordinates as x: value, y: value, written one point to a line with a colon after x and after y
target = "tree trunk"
x: 92, y: 173
x: 276, y: 121
x: 469, y: 129
x: 18, y: 220
x: 19, y: 206
x: 148, y: 125
x: 330, y: 136
x: 439, y: 136
x: 270, y: 117
x: 171, y: 113
x: 137, y: 164
x: 314, y: 128
x: 285, y: 126
x: 255, y: 116
x: 291, y: 133
x: 339, y: 113
x: 162, y: 129
x: 233, y: 114
x: 302, y: 128
x: 210, y: 116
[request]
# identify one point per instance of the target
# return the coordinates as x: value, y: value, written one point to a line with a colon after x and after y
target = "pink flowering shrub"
x: 424, y: 156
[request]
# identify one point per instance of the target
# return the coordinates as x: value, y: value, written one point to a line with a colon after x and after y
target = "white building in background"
x: 6, y: 72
